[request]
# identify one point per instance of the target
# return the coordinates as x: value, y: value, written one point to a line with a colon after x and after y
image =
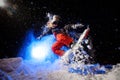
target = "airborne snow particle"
x: 118, y: 48
x: 116, y: 30
x: 31, y: 3
x: 2, y: 3
x: 44, y: 7
x: 115, y: 19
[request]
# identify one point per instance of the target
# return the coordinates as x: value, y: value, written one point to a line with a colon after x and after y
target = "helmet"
x: 54, y: 22
x: 55, y: 19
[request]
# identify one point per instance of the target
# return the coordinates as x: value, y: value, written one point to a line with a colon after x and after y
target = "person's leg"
x: 56, y: 48
x: 65, y: 39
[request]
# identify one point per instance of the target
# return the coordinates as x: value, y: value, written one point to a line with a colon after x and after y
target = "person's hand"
x: 39, y: 37
x: 75, y: 26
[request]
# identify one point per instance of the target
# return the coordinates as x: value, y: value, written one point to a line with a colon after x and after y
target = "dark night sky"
x: 102, y: 16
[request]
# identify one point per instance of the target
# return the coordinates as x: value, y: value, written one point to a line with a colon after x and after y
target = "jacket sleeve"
x: 73, y: 26
x: 45, y: 32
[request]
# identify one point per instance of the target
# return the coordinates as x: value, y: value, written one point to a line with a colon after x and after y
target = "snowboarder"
x: 62, y: 35
x: 62, y: 39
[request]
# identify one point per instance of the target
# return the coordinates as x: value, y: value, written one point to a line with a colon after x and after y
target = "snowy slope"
x: 28, y: 70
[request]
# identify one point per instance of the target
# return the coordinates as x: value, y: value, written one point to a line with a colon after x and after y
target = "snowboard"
x: 75, y: 52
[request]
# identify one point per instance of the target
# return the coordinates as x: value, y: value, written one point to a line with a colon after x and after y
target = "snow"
x: 29, y: 70
x: 2, y: 3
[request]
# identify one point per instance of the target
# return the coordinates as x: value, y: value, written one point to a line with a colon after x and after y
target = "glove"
x: 39, y: 37
x: 75, y: 26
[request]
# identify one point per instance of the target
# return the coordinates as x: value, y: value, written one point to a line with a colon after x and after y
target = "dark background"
x: 102, y: 16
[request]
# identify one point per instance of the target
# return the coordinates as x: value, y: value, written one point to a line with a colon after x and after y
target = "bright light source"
x: 39, y: 52
x: 2, y: 3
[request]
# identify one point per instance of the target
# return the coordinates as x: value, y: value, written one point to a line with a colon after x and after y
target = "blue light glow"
x: 38, y: 50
